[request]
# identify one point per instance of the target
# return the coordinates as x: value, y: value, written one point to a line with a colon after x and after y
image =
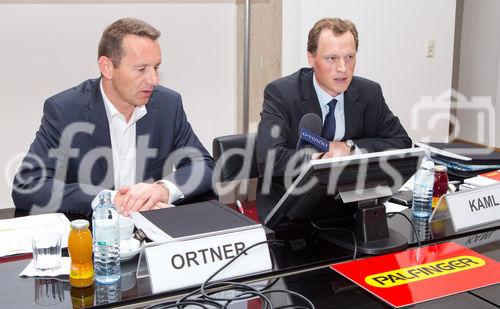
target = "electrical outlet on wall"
x: 429, y: 48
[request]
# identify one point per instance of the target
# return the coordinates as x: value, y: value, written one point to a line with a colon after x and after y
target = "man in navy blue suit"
x: 354, y: 115
x: 121, y: 131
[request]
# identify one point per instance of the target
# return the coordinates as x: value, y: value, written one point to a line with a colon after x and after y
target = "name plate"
x: 182, y: 263
x: 474, y: 207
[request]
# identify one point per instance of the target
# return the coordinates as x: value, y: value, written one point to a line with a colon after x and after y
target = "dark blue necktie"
x: 329, y: 126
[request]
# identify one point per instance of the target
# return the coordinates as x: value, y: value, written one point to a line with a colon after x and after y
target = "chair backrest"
x: 234, y: 154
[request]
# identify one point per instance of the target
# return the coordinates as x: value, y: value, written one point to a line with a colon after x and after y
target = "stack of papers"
x: 482, y: 180
x: 16, y: 233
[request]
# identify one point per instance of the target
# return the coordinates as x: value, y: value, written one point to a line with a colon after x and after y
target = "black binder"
x: 478, y: 155
x: 197, y: 218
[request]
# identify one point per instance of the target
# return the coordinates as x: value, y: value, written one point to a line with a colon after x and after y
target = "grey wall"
x: 48, y: 46
x: 479, y: 74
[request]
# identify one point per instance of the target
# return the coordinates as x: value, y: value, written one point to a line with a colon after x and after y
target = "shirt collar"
x: 323, y: 97
x: 112, y: 112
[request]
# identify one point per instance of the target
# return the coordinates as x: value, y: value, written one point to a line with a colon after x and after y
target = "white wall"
x: 479, y: 74
x: 49, y: 47
x: 392, y: 36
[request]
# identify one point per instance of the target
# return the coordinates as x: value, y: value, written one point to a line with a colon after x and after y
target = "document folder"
x: 477, y: 155
x: 196, y: 218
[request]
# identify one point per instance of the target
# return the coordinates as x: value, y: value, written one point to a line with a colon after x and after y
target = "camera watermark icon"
x: 472, y: 120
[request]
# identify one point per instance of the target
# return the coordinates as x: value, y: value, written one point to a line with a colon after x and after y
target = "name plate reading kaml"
x: 474, y: 207
x: 178, y: 264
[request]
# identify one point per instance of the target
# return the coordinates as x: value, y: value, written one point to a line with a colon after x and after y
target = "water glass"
x: 47, y: 251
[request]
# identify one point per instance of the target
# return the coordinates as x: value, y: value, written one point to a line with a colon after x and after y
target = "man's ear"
x: 106, y: 67
x: 310, y: 59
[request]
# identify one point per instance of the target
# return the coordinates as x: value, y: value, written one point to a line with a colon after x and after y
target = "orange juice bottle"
x: 81, y: 274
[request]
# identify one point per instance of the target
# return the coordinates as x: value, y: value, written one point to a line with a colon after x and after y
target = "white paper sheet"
x: 30, y: 270
x: 16, y: 233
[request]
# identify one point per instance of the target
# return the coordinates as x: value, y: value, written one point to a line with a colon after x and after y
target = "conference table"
x: 301, y: 265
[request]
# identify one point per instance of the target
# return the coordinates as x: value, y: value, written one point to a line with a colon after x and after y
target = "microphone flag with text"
x: 310, y: 128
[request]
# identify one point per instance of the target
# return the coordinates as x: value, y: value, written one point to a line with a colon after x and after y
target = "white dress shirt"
x: 123, y: 146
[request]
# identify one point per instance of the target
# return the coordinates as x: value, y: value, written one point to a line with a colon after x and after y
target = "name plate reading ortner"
x: 176, y: 264
x: 474, y: 207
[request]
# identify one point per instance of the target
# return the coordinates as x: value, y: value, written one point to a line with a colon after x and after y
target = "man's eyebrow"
x: 335, y: 55
x: 146, y: 65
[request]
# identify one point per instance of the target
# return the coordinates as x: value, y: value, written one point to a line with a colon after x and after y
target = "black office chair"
x: 235, y: 158
x: 230, y: 153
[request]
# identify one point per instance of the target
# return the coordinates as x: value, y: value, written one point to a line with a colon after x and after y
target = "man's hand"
x: 140, y: 197
x: 119, y: 199
x: 161, y: 205
x: 337, y: 149
x: 317, y: 155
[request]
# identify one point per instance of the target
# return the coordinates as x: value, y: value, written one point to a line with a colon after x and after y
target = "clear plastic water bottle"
x: 106, y: 234
x: 422, y: 190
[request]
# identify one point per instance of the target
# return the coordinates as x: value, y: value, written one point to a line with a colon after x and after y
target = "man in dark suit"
x: 355, y: 116
x: 121, y: 131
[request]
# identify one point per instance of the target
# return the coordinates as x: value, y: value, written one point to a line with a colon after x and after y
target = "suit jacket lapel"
x: 101, y: 138
x: 97, y: 116
x: 308, y: 94
x: 352, y: 111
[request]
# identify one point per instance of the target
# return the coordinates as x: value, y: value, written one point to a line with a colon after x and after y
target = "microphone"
x: 310, y: 127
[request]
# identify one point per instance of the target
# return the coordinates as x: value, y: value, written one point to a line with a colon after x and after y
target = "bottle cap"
x: 440, y: 168
x: 79, y: 224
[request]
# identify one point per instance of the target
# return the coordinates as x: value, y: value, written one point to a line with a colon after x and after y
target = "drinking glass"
x: 47, y: 251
